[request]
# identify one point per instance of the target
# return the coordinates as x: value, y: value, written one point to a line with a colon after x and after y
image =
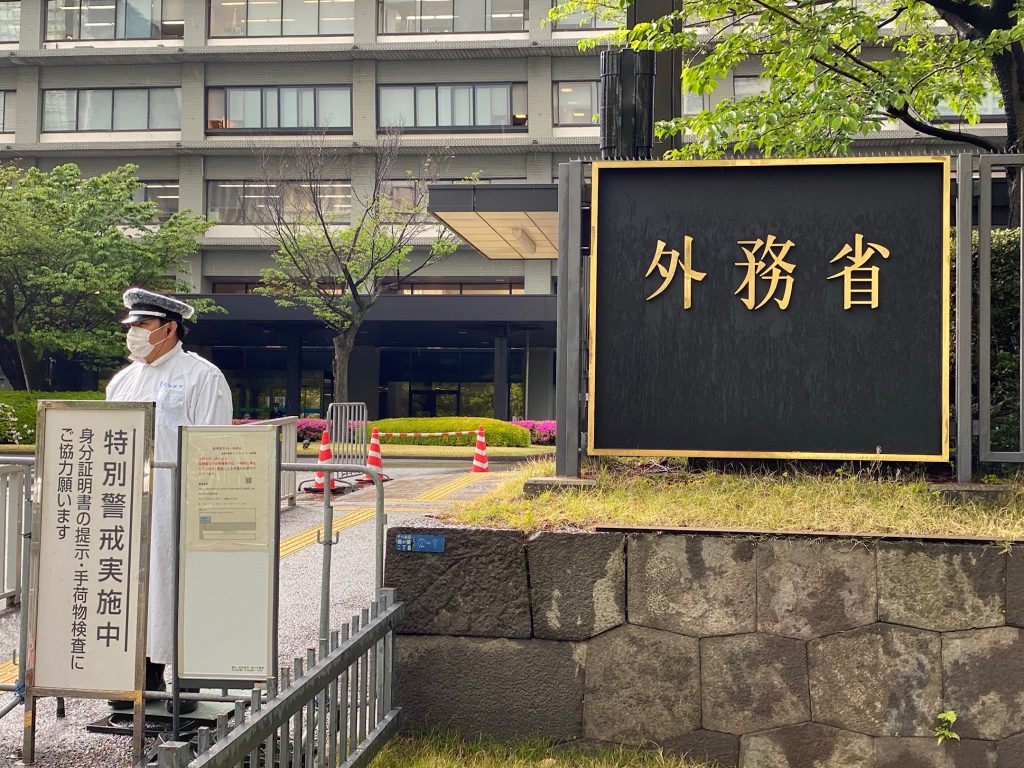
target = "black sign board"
x: 776, y: 309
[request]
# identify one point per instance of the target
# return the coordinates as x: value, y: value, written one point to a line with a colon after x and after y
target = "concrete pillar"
x: 196, y: 19
x: 537, y: 276
x: 193, y: 185
x: 539, y: 27
x: 365, y: 27
x: 364, y: 169
x: 33, y: 25
x: 293, y: 377
x: 26, y: 129
x: 364, y: 102
x: 193, y: 102
x: 501, y: 377
x: 192, y: 275
x: 539, y: 75
x: 540, y: 384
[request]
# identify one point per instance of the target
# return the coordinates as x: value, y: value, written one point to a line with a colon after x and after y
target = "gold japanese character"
x: 689, y: 273
x: 860, y: 282
x: 778, y: 273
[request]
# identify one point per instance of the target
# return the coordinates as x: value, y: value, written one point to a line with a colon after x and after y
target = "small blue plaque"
x: 419, y: 542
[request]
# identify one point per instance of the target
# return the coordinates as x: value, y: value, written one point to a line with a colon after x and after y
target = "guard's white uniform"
x: 187, y: 390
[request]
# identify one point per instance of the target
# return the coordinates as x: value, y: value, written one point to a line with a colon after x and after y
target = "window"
x: 235, y: 287
x: 281, y: 18
x: 412, y: 17
x: 10, y: 21
x: 501, y: 288
x: 460, y: 107
x: 576, y: 102
x: 285, y: 108
x: 407, y: 199
x: 748, y: 85
x: 112, y: 109
x: 114, y: 19
x: 990, y: 108
x: 584, y: 20
x: 694, y: 103
x: 8, y: 114
x: 165, y: 195
x: 262, y: 202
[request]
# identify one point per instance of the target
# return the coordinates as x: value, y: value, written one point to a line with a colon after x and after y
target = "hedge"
x: 24, y: 405
x: 498, y: 433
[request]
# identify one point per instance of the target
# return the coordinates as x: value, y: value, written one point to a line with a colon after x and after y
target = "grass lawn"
x: 448, y: 451
x: 629, y: 495
x: 440, y: 751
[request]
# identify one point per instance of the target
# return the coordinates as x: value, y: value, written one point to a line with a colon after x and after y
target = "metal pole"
x: 26, y: 575
x: 327, y: 540
x: 964, y: 353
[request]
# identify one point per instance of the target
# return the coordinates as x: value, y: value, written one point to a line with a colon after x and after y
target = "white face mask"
x: 138, y: 343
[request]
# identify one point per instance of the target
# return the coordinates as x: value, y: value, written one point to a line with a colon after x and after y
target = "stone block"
x: 881, y: 680
x: 752, y: 682
x: 477, y: 587
x: 696, y: 585
x: 1010, y: 752
x: 577, y: 584
x: 944, y: 587
x: 810, y: 588
x: 983, y: 675
x: 808, y: 745
x: 706, y: 747
x: 536, y: 486
x: 1015, y: 587
x: 642, y: 686
x: 922, y: 752
x: 503, y: 689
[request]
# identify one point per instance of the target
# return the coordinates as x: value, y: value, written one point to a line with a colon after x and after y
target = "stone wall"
x: 761, y: 652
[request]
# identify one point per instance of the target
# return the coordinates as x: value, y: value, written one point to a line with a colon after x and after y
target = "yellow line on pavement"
x: 447, y: 489
x: 300, y: 541
x: 8, y: 672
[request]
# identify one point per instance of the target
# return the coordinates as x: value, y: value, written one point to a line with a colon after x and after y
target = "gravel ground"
x: 65, y: 742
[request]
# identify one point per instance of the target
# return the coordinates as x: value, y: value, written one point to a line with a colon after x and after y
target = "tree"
x: 335, y: 261
x: 69, y: 247
x: 835, y: 69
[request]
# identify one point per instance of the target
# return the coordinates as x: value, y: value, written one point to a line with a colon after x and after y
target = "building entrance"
x: 434, y: 402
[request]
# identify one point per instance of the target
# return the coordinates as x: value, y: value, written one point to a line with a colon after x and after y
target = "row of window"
x: 478, y: 106
x: 165, y: 19
x: 406, y: 289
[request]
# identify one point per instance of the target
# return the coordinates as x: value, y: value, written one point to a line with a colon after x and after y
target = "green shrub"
x: 24, y: 405
x: 498, y: 433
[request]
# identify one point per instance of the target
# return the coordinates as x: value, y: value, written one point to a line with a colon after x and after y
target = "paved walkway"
x: 417, y: 493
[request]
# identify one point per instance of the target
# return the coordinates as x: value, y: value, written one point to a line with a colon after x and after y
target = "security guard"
x: 187, y: 390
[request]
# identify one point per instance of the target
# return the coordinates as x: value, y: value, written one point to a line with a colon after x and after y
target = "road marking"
x: 8, y: 672
x: 445, y: 490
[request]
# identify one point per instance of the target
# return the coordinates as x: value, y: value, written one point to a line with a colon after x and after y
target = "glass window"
x: 60, y: 110
x: 694, y: 103
x: 333, y: 108
x: 10, y: 21
x: 131, y: 108
x: 300, y: 18
x: 399, y: 17
x: 244, y: 108
x: 227, y: 18
x: 507, y: 16
x: 224, y: 201
x: 252, y: 202
x: 216, y: 109
x: 8, y: 112
x: 287, y: 107
x: 470, y: 15
x: 165, y: 109
x: 114, y: 19
x: 337, y: 17
x: 748, y: 85
x: 500, y: 105
x: 437, y: 16
x: 442, y: 16
x: 584, y: 20
x: 271, y: 112
x: 165, y: 195
x: 95, y: 110
x: 264, y: 18
x: 575, y: 102
x: 396, y: 107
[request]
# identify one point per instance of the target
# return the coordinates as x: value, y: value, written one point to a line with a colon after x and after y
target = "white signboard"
x: 90, y: 549
x: 227, y: 567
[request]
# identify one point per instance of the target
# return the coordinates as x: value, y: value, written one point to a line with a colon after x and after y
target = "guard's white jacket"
x: 187, y: 390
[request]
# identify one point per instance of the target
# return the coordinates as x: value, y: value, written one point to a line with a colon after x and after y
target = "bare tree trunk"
x: 343, y: 344
x: 10, y: 364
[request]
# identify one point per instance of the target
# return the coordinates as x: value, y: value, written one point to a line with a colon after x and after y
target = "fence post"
x: 964, y: 354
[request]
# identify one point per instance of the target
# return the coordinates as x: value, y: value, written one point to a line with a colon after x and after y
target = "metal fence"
x: 289, y: 427
x: 346, y: 423
x: 331, y: 709
x: 15, y: 486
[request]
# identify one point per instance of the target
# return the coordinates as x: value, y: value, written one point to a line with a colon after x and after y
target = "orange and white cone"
x: 373, y: 457
x: 325, y: 458
x: 480, y: 455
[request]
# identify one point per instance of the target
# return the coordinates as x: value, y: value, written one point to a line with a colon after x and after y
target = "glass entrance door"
x: 433, y: 402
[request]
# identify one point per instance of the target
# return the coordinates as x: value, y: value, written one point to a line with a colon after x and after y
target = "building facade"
x: 196, y: 92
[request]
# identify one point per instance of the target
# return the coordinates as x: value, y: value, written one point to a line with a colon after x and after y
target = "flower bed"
x: 541, y: 432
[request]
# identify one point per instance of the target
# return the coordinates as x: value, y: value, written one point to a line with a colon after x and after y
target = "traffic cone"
x: 480, y: 455
x: 325, y: 458
x: 373, y: 458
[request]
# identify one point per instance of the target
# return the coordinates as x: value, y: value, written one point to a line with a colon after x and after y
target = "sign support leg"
x: 28, y: 748
x: 138, y: 726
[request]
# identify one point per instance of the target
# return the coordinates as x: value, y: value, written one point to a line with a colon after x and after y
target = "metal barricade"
x: 14, y: 485
x: 289, y: 438
x: 337, y: 711
x: 346, y: 423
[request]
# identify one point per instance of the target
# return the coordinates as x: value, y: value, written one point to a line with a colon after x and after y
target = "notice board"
x: 90, y: 549
x: 228, y: 553
x: 770, y: 308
